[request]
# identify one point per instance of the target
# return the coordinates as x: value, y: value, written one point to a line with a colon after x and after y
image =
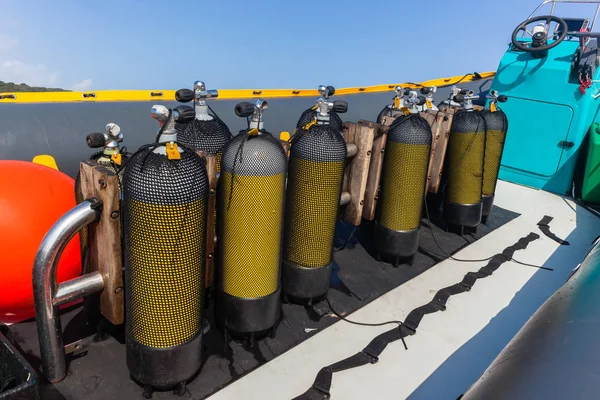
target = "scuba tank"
x: 466, y: 146
x: 496, y: 128
x: 250, y: 209
x: 314, y: 186
x: 112, y: 156
x: 206, y: 132
x: 165, y: 188
x: 403, y: 186
x: 309, y: 115
x: 395, y: 109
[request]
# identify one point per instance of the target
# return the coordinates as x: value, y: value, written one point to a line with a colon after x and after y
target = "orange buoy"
x: 32, y: 198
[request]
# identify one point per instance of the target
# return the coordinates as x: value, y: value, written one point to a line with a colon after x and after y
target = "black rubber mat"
x: 101, y: 373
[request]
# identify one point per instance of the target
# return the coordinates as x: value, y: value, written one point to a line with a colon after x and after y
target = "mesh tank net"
x: 465, y: 152
x: 496, y: 128
x: 250, y: 210
x: 315, y: 174
x: 209, y: 136
x: 164, y: 210
x: 404, y: 179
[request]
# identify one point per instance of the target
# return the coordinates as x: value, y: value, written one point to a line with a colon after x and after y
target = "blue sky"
x: 149, y: 44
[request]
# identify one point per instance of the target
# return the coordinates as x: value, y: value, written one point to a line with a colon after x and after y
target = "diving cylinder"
x: 206, y: 132
x: 496, y: 128
x: 395, y: 109
x: 464, y: 156
x: 111, y: 157
x: 403, y: 186
x: 309, y: 115
x: 165, y: 199
x: 251, y: 203
x: 314, y: 186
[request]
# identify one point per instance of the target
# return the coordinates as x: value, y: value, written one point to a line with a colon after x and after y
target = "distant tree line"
x: 21, y: 87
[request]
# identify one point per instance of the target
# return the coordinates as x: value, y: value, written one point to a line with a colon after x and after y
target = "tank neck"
x: 201, y: 109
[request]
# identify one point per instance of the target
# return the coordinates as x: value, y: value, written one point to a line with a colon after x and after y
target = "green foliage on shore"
x: 21, y: 87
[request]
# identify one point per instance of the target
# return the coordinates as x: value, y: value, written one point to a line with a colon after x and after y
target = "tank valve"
x: 110, y: 139
x: 429, y: 92
x: 399, y: 98
x: 199, y: 96
x: 464, y: 97
x: 324, y: 106
x: 253, y: 112
x: 326, y: 91
x: 166, y: 120
x: 414, y: 102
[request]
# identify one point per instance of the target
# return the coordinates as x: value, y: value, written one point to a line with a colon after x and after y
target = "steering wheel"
x: 547, y: 19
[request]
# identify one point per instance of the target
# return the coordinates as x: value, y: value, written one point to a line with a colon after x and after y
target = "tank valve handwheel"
x: 539, y: 37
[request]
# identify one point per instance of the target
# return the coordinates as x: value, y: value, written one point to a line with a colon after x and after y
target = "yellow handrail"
x: 224, y: 94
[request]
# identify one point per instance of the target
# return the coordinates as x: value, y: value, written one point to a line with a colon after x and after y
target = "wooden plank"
x: 209, y: 251
x: 387, y: 120
x: 440, y: 123
x: 105, y: 238
x: 374, y: 176
x: 357, y: 170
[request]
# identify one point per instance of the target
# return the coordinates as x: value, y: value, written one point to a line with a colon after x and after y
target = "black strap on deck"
x: 545, y: 228
x: 370, y: 354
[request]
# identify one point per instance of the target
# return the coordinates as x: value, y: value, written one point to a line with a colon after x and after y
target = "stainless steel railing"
x: 48, y: 295
x: 554, y: 2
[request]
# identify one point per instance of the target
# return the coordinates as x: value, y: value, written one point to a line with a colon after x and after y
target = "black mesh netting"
x: 389, y: 111
x: 209, y: 136
x: 253, y: 155
x: 315, y: 174
x: 164, y: 214
x: 496, y: 129
x: 404, y: 178
x: 464, y: 157
x: 308, y: 115
x: 410, y: 129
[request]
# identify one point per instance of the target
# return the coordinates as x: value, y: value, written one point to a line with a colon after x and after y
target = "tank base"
x: 399, y: 244
x: 467, y: 215
x: 163, y: 368
x: 239, y: 315
x: 304, y: 284
x: 487, y: 203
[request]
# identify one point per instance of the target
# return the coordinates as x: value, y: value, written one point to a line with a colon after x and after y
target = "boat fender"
x: 545, y: 228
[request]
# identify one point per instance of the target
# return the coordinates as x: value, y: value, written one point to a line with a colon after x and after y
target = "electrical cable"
x: 474, y: 260
x: 399, y: 323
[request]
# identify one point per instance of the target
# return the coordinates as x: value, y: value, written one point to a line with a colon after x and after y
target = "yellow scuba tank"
x: 165, y: 187
x: 251, y: 196
x: 315, y: 174
x: 464, y: 156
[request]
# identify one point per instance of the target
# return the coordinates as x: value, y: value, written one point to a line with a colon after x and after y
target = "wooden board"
x: 357, y: 168
x: 209, y: 251
x: 440, y: 123
x: 375, y: 168
x: 387, y: 120
x: 105, y: 237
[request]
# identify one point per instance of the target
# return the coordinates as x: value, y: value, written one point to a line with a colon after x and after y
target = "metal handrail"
x: 554, y: 2
x: 48, y: 295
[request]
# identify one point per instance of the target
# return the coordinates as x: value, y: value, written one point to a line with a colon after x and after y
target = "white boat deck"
x: 451, y: 349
